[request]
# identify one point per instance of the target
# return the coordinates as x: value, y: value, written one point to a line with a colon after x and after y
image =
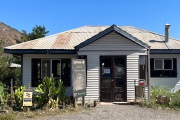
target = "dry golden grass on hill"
x: 8, y: 35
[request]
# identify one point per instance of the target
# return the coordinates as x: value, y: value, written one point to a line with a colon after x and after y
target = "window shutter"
x: 35, y: 72
x: 174, y: 64
x: 152, y: 63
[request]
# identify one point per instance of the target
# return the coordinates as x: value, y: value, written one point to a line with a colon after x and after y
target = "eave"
x: 164, y: 51
x: 39, y: 51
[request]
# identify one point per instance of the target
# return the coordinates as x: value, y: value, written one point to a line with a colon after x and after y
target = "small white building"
x: 116, y: 56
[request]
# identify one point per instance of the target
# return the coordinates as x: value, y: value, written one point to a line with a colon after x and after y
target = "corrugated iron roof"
x: 69, y: 39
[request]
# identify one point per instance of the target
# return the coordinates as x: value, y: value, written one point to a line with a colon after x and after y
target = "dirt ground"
x: 117, y: 112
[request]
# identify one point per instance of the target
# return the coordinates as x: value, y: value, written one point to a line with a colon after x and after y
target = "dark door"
x: 113, y: 78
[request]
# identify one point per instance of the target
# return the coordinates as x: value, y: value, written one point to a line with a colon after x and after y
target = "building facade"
x: 116, y: 58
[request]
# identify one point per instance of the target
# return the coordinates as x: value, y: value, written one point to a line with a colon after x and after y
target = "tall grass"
x: 8, y: 116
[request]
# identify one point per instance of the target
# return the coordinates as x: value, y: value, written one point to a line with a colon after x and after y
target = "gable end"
x: 107, y: 31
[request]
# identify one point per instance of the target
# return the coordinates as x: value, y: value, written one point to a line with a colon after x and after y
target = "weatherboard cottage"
x: 116, y: 56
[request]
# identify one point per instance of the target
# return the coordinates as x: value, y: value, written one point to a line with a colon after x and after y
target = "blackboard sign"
x: 79, y: 77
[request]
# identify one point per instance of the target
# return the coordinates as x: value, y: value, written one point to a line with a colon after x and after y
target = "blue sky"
x: 61, y: 15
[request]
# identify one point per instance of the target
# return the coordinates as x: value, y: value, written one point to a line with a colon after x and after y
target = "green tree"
x: 37, y: 32
x: 6, y: 72
x: 24, y: 36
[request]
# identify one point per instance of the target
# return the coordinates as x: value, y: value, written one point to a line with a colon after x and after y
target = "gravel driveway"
x: 118, y: 112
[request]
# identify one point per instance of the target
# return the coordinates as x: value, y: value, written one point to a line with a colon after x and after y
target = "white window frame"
x: 50, y: 66
x: 162, y: 59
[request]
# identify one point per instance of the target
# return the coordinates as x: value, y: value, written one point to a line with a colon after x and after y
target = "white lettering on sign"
x: 78, y: 62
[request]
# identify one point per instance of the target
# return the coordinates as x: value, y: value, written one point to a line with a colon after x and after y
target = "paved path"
x: 118, y: 112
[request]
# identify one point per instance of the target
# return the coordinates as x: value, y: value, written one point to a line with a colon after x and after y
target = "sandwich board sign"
x: 27, y: 97
x: 79, y: 77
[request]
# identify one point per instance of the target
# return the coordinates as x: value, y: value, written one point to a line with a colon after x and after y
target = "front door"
x: 113, y: 78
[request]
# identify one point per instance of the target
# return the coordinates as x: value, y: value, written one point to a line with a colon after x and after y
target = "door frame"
x: 113, y: 76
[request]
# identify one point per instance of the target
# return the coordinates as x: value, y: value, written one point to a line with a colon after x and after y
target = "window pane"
x: 36, y: 72
x: 119, y: 67
x: 56, y: 68
x: 106, y: 68
x: 167, y: 64
x: 66, y: 71
x: 45, y: 68
x: 158, y: 64
x: 119, y: 71
x: 142, y: 70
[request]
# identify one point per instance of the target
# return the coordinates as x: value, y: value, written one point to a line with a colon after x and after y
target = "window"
x: 66, y: 72
x: 163, y: 64
x: 142, y: 66
x: 46, y: 68
x: 56, y: 68
x: 142, y: 72
x: 163, y: 67
x: 36, y: 72
x: 60, y: 68
x: 168, y: 64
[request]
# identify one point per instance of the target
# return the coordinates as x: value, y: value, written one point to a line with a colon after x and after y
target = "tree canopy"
x: 6, y: 72
x: 24, y: 36
x: 37, y: 32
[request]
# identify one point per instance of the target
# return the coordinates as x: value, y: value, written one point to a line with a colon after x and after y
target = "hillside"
x: 9, y: 36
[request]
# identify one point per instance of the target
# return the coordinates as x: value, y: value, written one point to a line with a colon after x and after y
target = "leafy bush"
x: 163, y: 91
x: 18, y: 95
x: 175, y: 100
x: 154, y: 92
x: 4, y: 96
x: 159, y: 91
x: 61, y: 91
x: 50, y: 92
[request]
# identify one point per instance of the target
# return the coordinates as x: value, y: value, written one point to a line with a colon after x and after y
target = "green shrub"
x: 4, y: 96
x: 154, y: 92
x: 18, y: 95
x: 61, y: 90
x: 175, y: 100
x: 50, y: 92
x: 163, y: 91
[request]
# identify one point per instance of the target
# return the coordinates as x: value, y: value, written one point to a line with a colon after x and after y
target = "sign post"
x: 79, y: 78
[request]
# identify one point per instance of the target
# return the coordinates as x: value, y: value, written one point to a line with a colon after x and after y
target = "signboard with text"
x: 79, y: 77
x: 27, y: 98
